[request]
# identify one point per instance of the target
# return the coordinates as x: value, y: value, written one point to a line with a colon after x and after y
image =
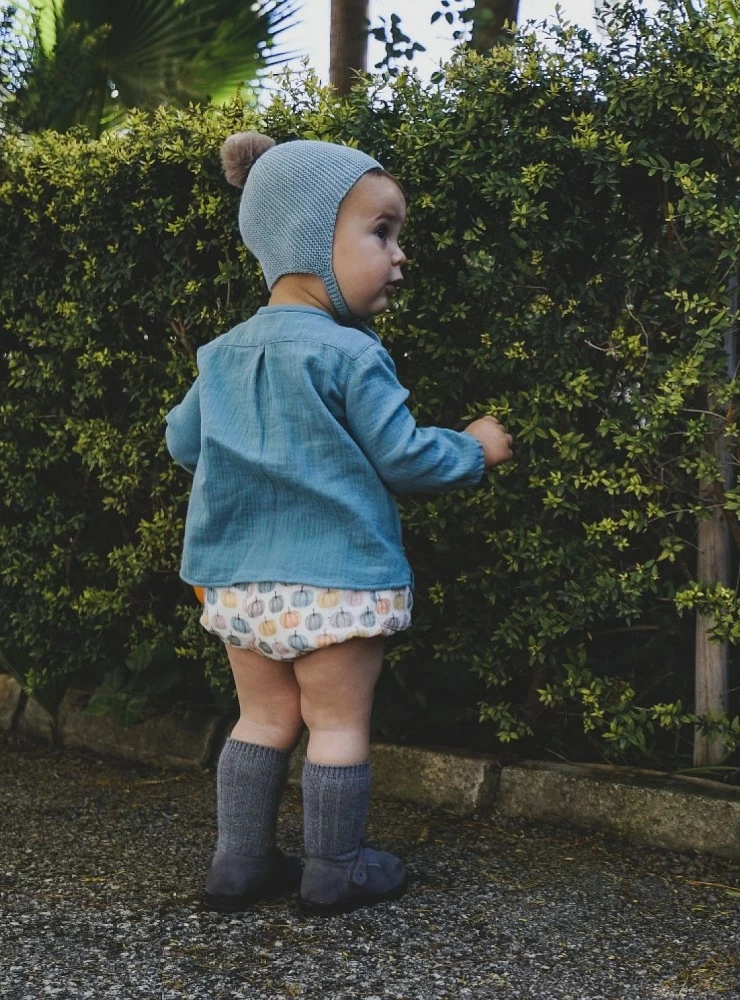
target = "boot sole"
x: 233, y: 904
x: 230, y: 904
x: 308, y: 909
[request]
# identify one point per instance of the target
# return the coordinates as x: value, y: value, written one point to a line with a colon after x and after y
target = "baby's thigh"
x: 338, y: 683
x: 262, y: 682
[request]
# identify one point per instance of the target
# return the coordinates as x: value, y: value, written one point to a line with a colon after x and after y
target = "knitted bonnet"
x: 291, y: 198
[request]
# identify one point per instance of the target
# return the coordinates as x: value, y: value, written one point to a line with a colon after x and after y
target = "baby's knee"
x: 284, y: 733
x: 350, y: 714
x: 275, y: 713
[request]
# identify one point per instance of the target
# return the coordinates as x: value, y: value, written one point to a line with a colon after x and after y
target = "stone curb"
x: 36, y: 722
x: 180, y: 740
x: 679, y: 813
x: 11, y: 697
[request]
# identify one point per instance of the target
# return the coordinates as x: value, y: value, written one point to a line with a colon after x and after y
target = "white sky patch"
x: 311, y: 37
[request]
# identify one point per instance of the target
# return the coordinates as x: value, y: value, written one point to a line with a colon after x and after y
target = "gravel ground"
x: 102, y: 865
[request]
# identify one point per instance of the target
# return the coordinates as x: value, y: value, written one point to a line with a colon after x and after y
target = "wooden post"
x: 348, y: 43
x: 714, y: 565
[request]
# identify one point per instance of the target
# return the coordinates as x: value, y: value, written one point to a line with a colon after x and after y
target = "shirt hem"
x: 284, y: 579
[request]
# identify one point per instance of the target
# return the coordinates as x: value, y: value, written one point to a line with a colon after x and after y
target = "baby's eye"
x: 382, y: 232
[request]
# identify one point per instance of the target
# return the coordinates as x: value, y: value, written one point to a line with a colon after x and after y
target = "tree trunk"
x: 348, y: 47
x: 489, y: 17
x: 711, y: 680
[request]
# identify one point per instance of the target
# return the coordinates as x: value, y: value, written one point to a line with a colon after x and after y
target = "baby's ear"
x: 239, y: 153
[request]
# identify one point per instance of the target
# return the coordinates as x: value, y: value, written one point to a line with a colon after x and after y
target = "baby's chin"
x: 380, y: 305
x: 376, y: 312
x: 367, y: 309
x: 368, y: 313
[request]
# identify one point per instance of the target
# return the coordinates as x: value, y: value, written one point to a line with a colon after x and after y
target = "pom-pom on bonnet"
x: 291, y: 198
x: 239, y: 152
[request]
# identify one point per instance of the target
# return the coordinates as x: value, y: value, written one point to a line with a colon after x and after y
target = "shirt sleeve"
x: 183, y: 429
x: 408, y: 459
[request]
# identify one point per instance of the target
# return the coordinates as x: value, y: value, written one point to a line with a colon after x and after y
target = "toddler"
x: 297, y: 435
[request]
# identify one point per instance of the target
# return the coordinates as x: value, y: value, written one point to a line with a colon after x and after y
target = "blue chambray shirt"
x: 297, y: 435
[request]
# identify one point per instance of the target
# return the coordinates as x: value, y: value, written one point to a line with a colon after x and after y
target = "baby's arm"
x: 409, y: 459
x: 183, y: 430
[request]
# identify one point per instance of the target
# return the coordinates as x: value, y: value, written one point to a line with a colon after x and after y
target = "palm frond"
x: 149, y: 52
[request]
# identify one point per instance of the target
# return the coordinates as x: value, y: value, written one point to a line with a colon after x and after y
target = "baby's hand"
x: 496, y: 442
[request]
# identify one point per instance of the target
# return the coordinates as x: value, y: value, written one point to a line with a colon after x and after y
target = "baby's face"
x: 367, y: 258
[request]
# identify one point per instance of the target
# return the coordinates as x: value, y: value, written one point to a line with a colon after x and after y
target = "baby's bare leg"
x: 337, y: 685
x: 341, y: 872
x: 269, y: 700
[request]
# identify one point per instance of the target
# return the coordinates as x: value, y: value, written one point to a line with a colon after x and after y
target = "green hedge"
x: 573, y: 226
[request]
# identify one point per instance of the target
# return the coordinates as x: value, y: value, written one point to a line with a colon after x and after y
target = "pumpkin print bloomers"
x: 285, y: 620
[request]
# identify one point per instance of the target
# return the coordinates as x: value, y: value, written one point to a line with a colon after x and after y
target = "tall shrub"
x: 573, y: 220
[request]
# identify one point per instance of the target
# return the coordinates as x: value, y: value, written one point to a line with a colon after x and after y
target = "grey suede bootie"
x: 236, y: 881
x: 346, y: 883
x: 246, y: 865
x: 342, y: 872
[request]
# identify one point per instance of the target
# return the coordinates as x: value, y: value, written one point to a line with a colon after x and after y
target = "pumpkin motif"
x: 219, y: 621
x: 282, y: 649
x: 276, y: 603
x: 204, y: 619
x: 264, y: 647
x: 399, y: 602
x: 228, y: 598
x: 325, y: 639
x: 410, y: 602
x: 239, y: 625
x: 329, y: 599
x: 268, y: 627
x: 342, y: 619
x: 255, y: 608
x: 251, y: 589
x: 266, y: 586
x: 290, y: 619
x: 302, y: 598
x: 355, y: 598
x: 382, y: 606
x: 240, y: 586
x: 200, y: 594
x: 297, y: 642
x: 367, y: 618
x: 233, y: 640
x: 211, y: 595
x: 394, y: 623
x: 314, y: 621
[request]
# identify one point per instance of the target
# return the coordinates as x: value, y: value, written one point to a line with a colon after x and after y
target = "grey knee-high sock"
x: 335, y: 806
x: 250, y: 783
